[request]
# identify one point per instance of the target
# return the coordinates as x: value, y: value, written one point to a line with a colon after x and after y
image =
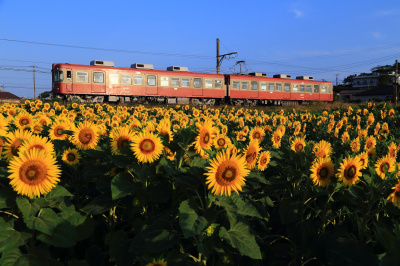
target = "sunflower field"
x: 194, y: 185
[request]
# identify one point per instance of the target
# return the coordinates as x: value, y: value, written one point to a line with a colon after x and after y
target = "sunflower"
x: 363, y: 159
x: 241, y: 136
x: 392, y: 150
x: 395, y: 195
x: 56, y: 129
x: 298, y: 144
x: 164, y: 128
x: 11, y: 147
x: 384, y: 164
x: 203, y: 141
x: 71, y: 156
x: 221, y: 141
x: 38, y: 142
x: 355, y: 145
x: 322, y: 171
x: 120, y: 138
x: 147, y: 147
x: 322, y: 149
x: 251, y: 153
x: 370, y: 143
x: 23, y: 120
x: 226, y: 173
x: 263, y: 161
x: 349, y: 171
x: 157, y: 263
x: 345, y: 137
x: 33, y: 173
x: 257, y: 133
x: 276, y: 139
x: 85, y: 136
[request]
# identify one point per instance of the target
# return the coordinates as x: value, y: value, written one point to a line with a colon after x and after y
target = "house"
x: 348, y: 94
x: 8, y: 97
x: 381, y: 93
x: 370, y: 81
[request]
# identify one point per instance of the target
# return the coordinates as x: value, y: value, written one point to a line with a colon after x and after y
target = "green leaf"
x: 99, y: 205
x: 191, y: 224
x: 16, y: 258
x: 56, y: 193
x: 63, y: 236
x: 122, y: 185
x: 237, y: 205
x: 240, y: 237
x: 10, y: 238
x: 45, y: 222
x: 27, y: 208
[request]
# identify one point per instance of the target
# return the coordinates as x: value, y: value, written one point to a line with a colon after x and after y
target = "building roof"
x: 383, y: 90
x: 5, y: 95
x: 350, y: 92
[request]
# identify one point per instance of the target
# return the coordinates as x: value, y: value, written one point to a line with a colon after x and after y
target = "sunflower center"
x: 36, y: 146
x: 33, y: 172
x: 71, y: 157
x: 221, y: 142
x: 24, y: 121
x: 323, y: 173
x: 257, y: 135
x: 85, y: 136
x: 351, y: 172
x: 206, y: 138
x: 147, y: 146
x: 226, y: 173
x: 122, y: 142
x: 57, y: 131
x: 383, y: 167
x: 250, y: 157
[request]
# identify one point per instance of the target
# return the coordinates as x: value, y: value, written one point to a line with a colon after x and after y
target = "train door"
x: 286, y: 91
x: 99, y: 82
x: 151, y: 85
x: 197, y: 87
x: 69, y: 86
x: 316, y: 92
x: 254, y: 92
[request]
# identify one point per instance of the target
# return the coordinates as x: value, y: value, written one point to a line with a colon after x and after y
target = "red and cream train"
x: 102, y: 82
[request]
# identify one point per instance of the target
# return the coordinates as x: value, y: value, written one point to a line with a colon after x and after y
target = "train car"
x: 281, y: 89
x: 101, y: 81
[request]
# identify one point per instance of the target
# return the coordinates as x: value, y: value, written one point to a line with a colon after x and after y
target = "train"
x: 101, y: 81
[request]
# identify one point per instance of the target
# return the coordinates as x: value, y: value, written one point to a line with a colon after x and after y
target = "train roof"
x: 169, y: 72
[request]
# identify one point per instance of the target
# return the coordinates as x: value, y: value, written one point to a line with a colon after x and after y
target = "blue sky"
x: 312, y: 38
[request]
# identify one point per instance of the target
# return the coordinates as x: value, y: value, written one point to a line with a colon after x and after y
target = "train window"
x: 209, y: 83
x: 287, y: 86
x: 175, y: 82
x: 323, y: 89
x: 137, y: 80
x: 197, y: 82
x: 126, y: 79
x: 245, y: 85
x: 218, y: 84
x: 278, y: 87
x: 271, y: 86
x: 58, y: 76
x: 69, y: 74
x: 301, y: 87
x: 151, y: 80
x: 164, y: 81
x: 185, y: 82
x: 316, y: 88
x: 263, y: 86
x: 81, y: 77
x: 308, y: 88
x: 295, y: 87
x: 98, y: 77
x: 113, y: 79
x: 254, y: 86
x: 236, y: 85
x: 329, y: 89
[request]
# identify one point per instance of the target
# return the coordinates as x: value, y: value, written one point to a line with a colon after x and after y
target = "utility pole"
x: 396, y: 80
x: 34, y: 84
x: 337, y: 79
x: 221, y: 57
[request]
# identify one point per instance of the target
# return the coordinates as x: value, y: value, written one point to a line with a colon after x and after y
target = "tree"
x: 348, y: 81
